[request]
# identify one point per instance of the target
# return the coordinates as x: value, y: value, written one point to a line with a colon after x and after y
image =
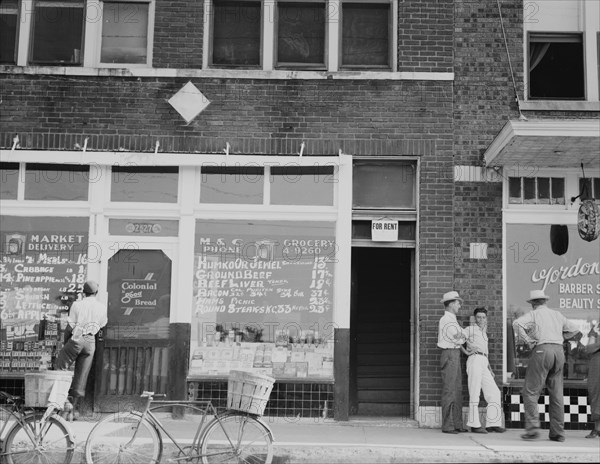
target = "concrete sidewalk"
x: 381, y: 440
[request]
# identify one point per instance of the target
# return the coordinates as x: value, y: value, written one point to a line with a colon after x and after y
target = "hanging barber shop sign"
x: 588, y: 220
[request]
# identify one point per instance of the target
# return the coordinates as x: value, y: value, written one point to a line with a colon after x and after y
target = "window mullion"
x: 333, y: 34
x: 268, y: 32
x: 25, y: 21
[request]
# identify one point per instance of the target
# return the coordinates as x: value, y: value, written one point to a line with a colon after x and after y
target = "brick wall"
x: 254, y: 116
x: 425, y: 35
x: 178, y: 29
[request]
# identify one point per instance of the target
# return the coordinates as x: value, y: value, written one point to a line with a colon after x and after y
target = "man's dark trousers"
x: 451, y: 390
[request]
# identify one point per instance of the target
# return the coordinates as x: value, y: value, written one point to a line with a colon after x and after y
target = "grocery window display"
x: 43, y: 265
x: 263, y: 293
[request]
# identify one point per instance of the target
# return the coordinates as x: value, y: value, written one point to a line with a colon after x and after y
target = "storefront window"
x: 9, y: 181
x: 56, y: 182
x: 232, y: 185
x: 43, y: 265
x: 570, y: 279
x: 144, y: 184
x: 302, y: 185
x: 536, y: 190
x: 263, y: 298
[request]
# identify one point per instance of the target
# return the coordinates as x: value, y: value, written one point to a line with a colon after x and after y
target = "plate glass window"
x: 232, y: 185
x: 9, y: 13
x: 556, y: 69
x: 301, y: 34
x: 236, y: 33
x: 366, y: 35
x: 9, y: 181
x: 124, y: 32
x: 144, y: 184
x: 56, y: 182
x: 302, y: 185
x: 58, y: 32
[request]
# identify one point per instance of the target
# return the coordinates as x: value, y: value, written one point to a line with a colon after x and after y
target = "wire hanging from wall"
x: 512, y: 74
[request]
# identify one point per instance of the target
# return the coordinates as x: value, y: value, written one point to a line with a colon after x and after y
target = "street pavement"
x: 382, y: 440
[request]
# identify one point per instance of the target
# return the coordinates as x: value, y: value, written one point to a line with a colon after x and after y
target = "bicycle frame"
x: 204, y: 407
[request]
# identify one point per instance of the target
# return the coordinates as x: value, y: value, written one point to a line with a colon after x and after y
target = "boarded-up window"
x: 8, y: 30
x: 124, y: 32
x: 365, y: 35
x: 58, y: 32
x: 236, y: 33
x: 301, y: 34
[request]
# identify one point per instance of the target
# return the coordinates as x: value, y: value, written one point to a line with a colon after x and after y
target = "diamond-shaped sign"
x: 189, y: 102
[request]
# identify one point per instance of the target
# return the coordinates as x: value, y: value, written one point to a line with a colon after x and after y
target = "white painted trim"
x: 468, y: 173
x: 342, y: 277
x: 268, y: 35
x: 206, y: 27
x: 559, y: 105
x: 110, y: 158
x: 332, y: 10
x: 539, y: 217
x: 590, y: 14
x: 226, y: 73
x: 25, y: 15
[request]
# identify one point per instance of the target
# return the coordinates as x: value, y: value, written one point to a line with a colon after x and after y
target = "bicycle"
x: 33, y: 436
x: 136, y: 437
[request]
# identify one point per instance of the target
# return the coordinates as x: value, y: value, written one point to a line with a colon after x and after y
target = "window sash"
x: 296, y: 36
x: 125, y: 32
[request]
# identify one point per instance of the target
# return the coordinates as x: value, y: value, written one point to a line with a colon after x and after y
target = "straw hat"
x: 537, y: 295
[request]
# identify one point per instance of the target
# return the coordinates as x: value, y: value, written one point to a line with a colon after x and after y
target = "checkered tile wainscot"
x: 576, y: 408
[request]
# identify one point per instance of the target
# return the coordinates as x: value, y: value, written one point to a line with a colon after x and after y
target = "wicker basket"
x: 47, y: 388
x: 248, y: 392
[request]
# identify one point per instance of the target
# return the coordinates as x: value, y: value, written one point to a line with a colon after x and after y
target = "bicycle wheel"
x: 237, y: 438
x: 33, y: 443
x: 112, y: 440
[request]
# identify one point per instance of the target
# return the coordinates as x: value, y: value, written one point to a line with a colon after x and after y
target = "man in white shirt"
x: 86, y: 318
x: 542, y: 329
x: 450, y: 339
x: 481, y: 377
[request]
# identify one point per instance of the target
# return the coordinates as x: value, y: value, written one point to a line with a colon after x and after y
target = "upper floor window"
x: 236, y: 38
x: 301, y: 34
x: 366, y: 32
x: 57, y: 32
x: 383, y: 184
x: 9, y: 13
x: 125, y: 32
x: 310, y: 34
x: 556, y: 69
x: 77, y: 32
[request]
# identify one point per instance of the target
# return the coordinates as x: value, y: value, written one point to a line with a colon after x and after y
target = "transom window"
x: 593, y: 186
x: 556, y: 69
x: 536, y: 190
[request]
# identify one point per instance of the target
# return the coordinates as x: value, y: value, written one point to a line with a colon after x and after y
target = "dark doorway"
x: 380, y: 327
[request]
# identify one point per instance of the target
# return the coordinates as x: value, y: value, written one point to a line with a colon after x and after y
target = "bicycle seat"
x: 10, y: 398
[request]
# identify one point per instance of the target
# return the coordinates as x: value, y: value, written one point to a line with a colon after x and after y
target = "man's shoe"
x: 450, y: 431
x: 478, y: 430
x: 558, y: 438
x: 530, y: 436
x: 593, y: 434
x: 462, y: 430
x: 496, y: 429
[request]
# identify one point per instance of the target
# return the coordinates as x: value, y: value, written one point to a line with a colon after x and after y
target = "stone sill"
x: 225, y: 73
x: 559, y: 105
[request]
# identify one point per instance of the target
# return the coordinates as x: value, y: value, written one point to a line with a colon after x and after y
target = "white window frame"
x: 582, y: 16
x: 332, y: 36
x: 93, y: 36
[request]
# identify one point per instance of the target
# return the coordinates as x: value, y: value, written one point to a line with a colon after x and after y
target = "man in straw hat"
x: 542, y: 329
x: 450, y: 339
x: 86, y: 318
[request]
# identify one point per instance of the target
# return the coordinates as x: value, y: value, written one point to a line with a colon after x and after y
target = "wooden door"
x: 134, y: 355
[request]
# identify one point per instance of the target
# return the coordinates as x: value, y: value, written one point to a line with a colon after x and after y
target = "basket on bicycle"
x: 47, y: 388
x: 248, y: 392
